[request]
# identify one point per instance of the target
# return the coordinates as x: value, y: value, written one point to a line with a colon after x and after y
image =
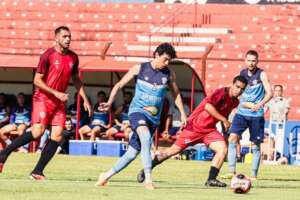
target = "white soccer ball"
x: 240, y: 184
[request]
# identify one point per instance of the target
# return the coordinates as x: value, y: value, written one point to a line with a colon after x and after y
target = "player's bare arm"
x: 39, y: 82
x: 126, y: 78
x: 79, y: 87
x: 214, y: 112
x: 178, y: 100
x: 268, y: 92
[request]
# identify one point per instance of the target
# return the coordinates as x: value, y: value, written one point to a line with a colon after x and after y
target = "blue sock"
x: 145, y: 138
x: 125, y: 160
x: 231, y: 157
x: 255, y: 160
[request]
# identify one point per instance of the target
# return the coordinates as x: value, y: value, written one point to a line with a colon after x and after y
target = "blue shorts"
x: 173, y: 131
x: 102, y: 129
x: 139, y: 119
x: 256, y: 127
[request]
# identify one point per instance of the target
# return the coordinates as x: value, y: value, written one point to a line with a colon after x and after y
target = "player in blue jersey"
x: 152, y: 80
x: 99, y: 122
x: 19, y: 119
x: 250, y: 113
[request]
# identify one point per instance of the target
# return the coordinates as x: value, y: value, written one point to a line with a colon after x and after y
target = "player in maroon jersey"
x: 201, y: 128
x: 57, y: 65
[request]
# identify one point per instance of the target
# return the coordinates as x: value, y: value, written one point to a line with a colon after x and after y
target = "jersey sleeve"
x: 76, y: 65
x: 44, y: 63
x: 216, y: 97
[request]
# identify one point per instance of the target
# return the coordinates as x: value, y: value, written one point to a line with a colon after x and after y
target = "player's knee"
x: 233, y: 138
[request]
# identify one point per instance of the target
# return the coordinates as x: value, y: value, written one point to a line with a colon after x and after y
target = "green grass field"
x: 72, y: 178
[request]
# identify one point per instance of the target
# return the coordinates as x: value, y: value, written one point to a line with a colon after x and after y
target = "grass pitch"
x: 72, y: 178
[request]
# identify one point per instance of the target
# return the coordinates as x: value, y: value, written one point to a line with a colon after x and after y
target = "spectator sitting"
x: 171, y: 129
x: 72, y: 111
x: 68, y: 133
x: 99, y: 123
x: 122, y: 120
x: 19, y: 121
x: 4, y: 110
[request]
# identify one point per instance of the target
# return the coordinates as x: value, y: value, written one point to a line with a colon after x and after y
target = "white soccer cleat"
x: 101, y: 181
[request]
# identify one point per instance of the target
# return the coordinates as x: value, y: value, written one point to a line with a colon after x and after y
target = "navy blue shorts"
x: 139, y: 119
x: 256, y: 127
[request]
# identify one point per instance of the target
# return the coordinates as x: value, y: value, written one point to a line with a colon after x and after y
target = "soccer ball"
x: 240, y: 184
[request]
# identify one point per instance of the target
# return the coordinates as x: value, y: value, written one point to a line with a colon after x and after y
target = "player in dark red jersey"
x: 57, y: 65
x: 201, y: 128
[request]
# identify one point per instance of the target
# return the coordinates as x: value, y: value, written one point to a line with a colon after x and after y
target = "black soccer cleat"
x: 215, y: 183
x: 141, y: 176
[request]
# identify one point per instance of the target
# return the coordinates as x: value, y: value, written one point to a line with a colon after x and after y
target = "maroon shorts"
x: 48, y: 113
x: 190, y: 137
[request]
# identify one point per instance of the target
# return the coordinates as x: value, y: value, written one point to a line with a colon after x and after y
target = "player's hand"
x: 62, y: 96
x: 256, y: 107
x: 226, y: 125
x: 104, y: 107
x: 87, y: 107
x: 183, y: 120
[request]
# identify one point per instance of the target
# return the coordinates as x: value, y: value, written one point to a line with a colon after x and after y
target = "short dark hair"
x: 166, y: 48
x: 241, y: 79
x: 281, y: 87
x: 253, y: 53
x: 2, y: 94
x: 58, y: 29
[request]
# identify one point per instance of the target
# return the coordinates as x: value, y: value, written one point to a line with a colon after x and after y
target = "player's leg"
x: 122, y: 163
x: 57, y: 120
x: 176, y: 148
x: 256, y: 127
x: 48, y: 152
x: 37, y: 131
x: 220, y: 149
x: 21, y: 129
x: 238, y: 126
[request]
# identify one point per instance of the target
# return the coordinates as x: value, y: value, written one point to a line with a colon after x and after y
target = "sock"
x: 213, y: 173
x: 109, y: 174
x: 155, y: 161
x: 125, y: 160
x: 145, y: 138
x: 255, y: 160
x: 46, y: 155
x: 232, y: 157
x: 19, y: 141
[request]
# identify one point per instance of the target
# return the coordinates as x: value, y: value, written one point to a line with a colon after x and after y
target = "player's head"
x: 63, y: 37
x: 127, y: 97
x: 163, y: 54
x: 238, y: 86
x: 2, y: 98
x: 68, y: 123
x: 251, y: 60
x: 101, y: 96
x: 278, y: 90
x: 21, y: 98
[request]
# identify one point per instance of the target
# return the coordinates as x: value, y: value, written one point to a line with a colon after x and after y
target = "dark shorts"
x: 173, y: 131
x: 256, y: 127
x: 102, y: 129
x: 137, y: 120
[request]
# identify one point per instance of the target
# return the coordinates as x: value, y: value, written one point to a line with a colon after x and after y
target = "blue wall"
x: 289, y: 126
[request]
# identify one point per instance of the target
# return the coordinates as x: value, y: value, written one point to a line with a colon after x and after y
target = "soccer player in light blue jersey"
x: 250, y: 113
x: 152, y: 80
